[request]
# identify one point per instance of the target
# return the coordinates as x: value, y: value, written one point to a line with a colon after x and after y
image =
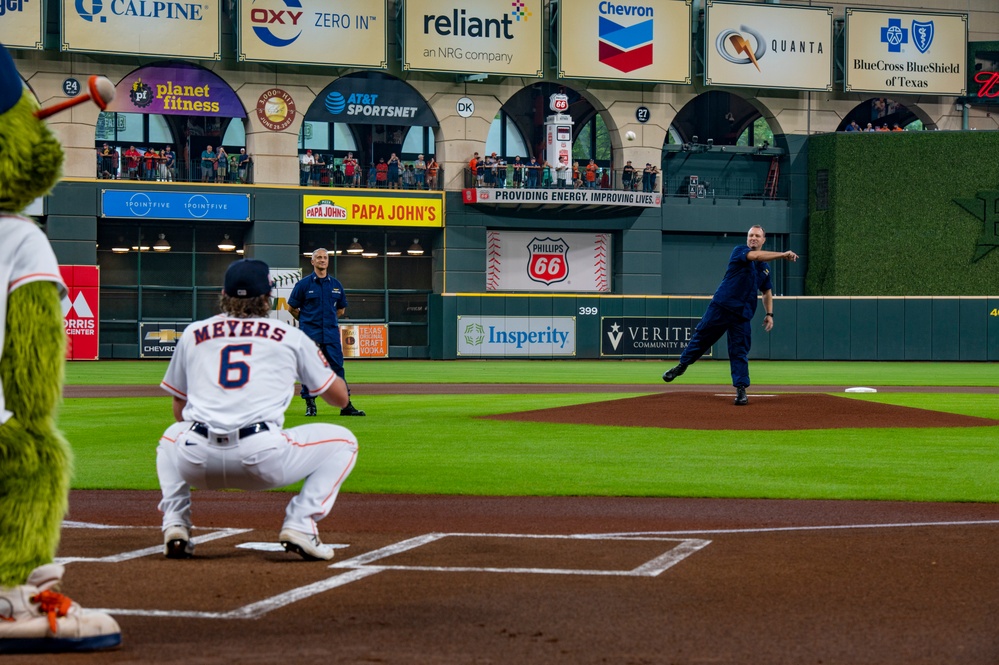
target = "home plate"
x: 861, y: 389
x: 275, y: 547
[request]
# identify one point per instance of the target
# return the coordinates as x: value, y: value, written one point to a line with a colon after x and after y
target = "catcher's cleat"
x: 351, y: 410
x: 308, y: 547
x: 740, y: 396
x: 36, y: 619
x: 671, y: 374
x: 177, y: 543
x: 310, y: 407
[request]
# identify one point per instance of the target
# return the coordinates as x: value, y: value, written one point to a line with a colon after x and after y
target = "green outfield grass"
x: 149, y: 372
x: 438, y: 444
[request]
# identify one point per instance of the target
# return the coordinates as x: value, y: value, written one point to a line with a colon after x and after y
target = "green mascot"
x: 35, y: 460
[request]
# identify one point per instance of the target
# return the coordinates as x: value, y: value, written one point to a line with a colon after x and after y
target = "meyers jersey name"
x: 242, y: 371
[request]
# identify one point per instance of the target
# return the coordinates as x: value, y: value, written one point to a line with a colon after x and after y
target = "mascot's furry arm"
x: 35, y: 461
x: 34, y: 458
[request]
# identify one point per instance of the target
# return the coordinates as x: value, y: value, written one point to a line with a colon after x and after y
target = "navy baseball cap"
x: 11, y: 87
x: 247, y: 278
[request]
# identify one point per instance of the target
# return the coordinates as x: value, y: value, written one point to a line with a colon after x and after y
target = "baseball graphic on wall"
x: 630, y: 135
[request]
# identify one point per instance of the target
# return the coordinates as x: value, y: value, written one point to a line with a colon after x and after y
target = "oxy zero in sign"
x: 548, y: 260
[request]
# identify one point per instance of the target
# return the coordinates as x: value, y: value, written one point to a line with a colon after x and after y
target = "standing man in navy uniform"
x: 732, y: 308
x: 317, y: 302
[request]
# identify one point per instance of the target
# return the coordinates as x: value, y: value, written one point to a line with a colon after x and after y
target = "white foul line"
x: 829, y: 527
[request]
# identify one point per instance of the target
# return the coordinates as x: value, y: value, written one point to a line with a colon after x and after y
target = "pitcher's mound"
x: 784, y: 411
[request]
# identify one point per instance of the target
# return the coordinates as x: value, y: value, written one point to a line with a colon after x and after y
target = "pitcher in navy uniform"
x: 732, y: 308
x: 317, y: 302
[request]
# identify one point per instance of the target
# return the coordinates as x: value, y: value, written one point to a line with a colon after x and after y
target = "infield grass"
x: 149, y: 372
x: 438, y: 444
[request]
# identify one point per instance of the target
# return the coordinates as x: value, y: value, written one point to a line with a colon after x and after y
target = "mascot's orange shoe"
x: 36, y: 619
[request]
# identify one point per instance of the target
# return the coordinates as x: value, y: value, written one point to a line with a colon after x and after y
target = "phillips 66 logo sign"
x: 548, y: 260
x: 559, y: 102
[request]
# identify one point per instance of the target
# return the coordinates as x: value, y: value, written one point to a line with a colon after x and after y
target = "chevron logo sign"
x: 625, y: 47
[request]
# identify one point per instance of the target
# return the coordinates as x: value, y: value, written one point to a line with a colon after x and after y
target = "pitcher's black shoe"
x: 671, y: 374
x: 351, y: 410
x: 740, y: 396
x: 310, y: 406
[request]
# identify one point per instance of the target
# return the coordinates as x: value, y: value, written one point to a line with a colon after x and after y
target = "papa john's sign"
x: 525, y: 261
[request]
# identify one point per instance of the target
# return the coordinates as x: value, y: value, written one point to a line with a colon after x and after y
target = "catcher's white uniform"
x: 25, y: 257
x: 238, y: 377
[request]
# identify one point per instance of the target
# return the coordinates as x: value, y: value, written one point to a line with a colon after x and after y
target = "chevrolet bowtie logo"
x: 162, y: 336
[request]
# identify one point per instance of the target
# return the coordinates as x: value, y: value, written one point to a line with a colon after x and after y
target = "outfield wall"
x: 806, y: 328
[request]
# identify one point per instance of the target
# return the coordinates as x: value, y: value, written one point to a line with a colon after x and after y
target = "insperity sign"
x: 905, y: 52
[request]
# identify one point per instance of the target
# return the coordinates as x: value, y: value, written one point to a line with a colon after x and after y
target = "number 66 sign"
x: 523, y: 261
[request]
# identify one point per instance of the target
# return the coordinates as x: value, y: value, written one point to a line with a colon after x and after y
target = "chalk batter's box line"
x: 684, y: 548
x: 362, y: 566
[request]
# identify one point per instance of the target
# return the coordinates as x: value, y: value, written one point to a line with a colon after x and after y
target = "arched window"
x: 505, y: 138
x: 593, y: 142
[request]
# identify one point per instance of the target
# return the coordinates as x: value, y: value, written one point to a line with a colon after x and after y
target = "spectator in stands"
x: 408, y: 177
x: 533, y: 173
x: 564, y: 173
x: 896, y: 128
x: 207, y: 164
x: 394, y: 171
x: 150, y: 160
x: 853, y: 127
x: 105, y: 172
x: 243, y: 165
x: 305, y: 168
x: 501, y: 173
x: 577, y: 176
x: 169, y: 164
x: 628, y: 176
x: 351, y: 171
x: 473, y: 168
x: 591, y: 174
x: 420, y: 172
x: 319, y: 172
x: 221, y: 165
x: 432, y: 169
x: 518, y: 172
x: 382, y: 171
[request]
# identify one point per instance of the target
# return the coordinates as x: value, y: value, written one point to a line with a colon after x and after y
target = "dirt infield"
x: 444, y: 579
x: 544, y: 580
